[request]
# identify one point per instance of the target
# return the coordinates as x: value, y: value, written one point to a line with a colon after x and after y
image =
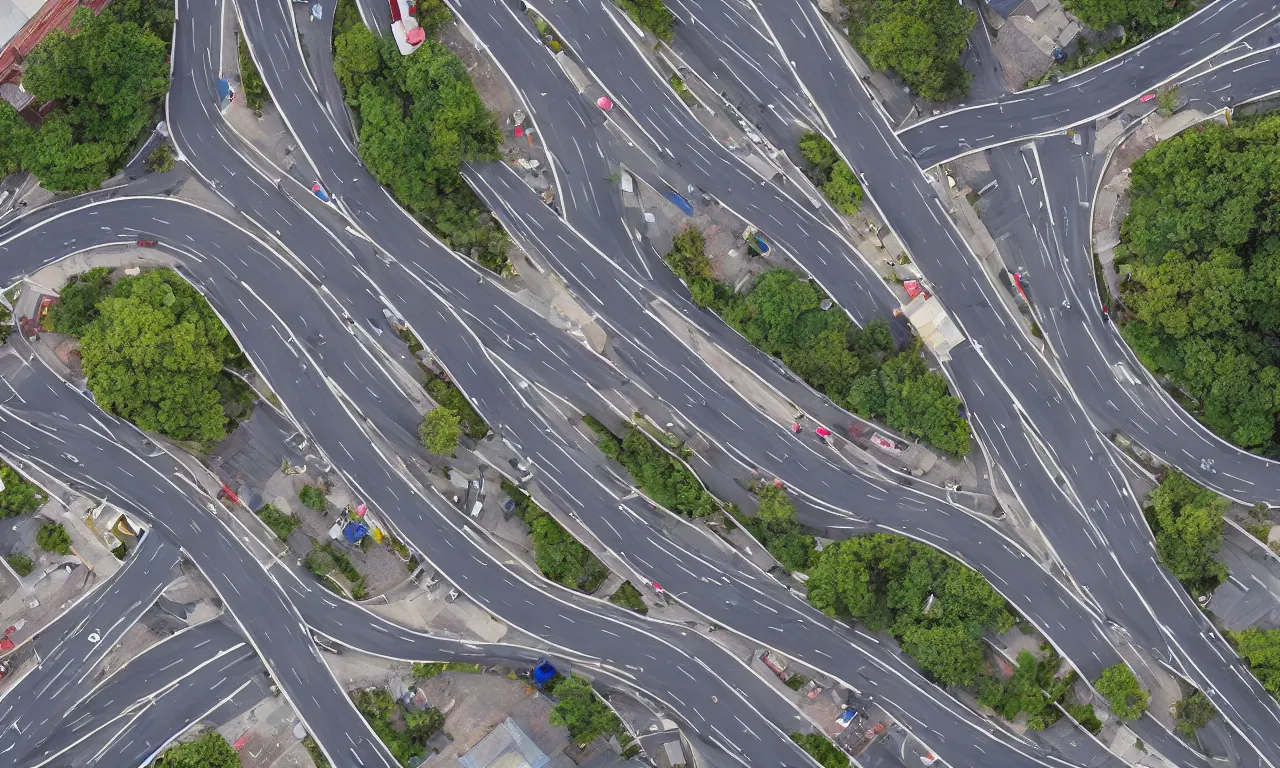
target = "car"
x: 319, y: 191
x: 453, y: 595
x: 146, y: 242
x: 605, y: 103
x: 1146, y: 98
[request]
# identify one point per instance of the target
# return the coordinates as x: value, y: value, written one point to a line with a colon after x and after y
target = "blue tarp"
x: 679, y: 202
x: 543, y: 672
x: 355, y: 531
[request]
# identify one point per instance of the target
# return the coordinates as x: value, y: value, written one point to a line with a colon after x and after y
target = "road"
x: 1089, y: 93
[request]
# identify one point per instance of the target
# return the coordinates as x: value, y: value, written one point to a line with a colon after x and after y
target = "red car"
x: 605, y: 103
x: 146, y: 243
x: 1146, y: 98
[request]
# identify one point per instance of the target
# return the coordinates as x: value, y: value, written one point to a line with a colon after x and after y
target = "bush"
x: 1120, y: 687
x: 796, y: 682
x: 255, y: 91
x: 325, y: 559
x: 1187, y: 521
x: 830, y: 174
x: 920, y: 40
x: 1193, y: 713
x: 161, y: 159
x: 280, y: 523
x: 20, y: 563
x: 211, y: 750
x: 582, y: 712
x: 652, y: 15
x: 312, y: 498
x: 121, y: 551
x: 419, y: 118
x: 77, y: 305
x: 662, y: 478
x: 384, y: 714
x: 1034, y: 689
x: 425, y: 671
x: 887, y: 582
x: 1084, y: 714
x: 52, y: 537
x: 821, y: 749
x: 446, y: 393
x: 317, y: 755
x: 627, y: 596
x: 19, y: 496
x: 560, y: 557
x: 440, y: 430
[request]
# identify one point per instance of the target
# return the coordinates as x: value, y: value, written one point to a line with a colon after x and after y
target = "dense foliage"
x: 1101, y: 14
x: 659, y: 475
x: 1187, y: 521
x: 582, y: 712
x: 325, y: 560
x: 921, y: 40
x: 1192, y: 713
x: 405, y: 730
x: 446, y: 393
x: 1034, y: 689
x: 21, y: 563
x: 856, y: 367
x: 419, y: 118
x: 559, y: 556
x: 830, y: 174
x: 775, y: 526
x: 211, y: 750
x: 627, y: 596
x: 1120, y: 687
x: 1261, y: 648
x: 155, y: 355
x: 440, y: 430
x: 52, y: 537
x: 652, y: 15
x: 19, y: 496
x: 108, y: 76
x: 77, y: 305
x: 255, y: 91
x: 281, y: 524
x: 1086, y: 717
x: 821, y: 749
x: 1204, y: 242
x: 936, y: 607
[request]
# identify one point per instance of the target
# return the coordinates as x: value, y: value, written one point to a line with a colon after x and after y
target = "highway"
x: 1090, y: 93
x: 298, y: 307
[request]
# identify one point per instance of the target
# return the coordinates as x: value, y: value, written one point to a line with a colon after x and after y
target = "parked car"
x: 1146, y: 98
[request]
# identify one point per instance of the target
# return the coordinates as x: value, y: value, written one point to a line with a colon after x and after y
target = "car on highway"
x: 1146, y: 98
x: 146, y: 241
x: 605, y: 103
x: 319, y: 191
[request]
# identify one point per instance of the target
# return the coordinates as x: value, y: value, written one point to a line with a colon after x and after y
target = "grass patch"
x: 821, y: 749
x: 312, y: 497
x: 281, y: 524
x: 317, y: 756
x: 255, y: 91
x: 627, y: 596
x: 21, y: 563
x: 656, y: 472
x: 425, y: 671
x: 325, y: 559
x: 446, y: 393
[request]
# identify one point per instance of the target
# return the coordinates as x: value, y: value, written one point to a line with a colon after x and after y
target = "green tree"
x: 820, y: 157
x: 1101, y: 14
x: 920, y: 40
x: 52, y: 537
x: 312, y: 497
x: 208, y: 751
x: 357, y: 57
x: 19, y: 496
x: 1084, y: 714
x: 107, y: 77
x: 1261, y: 648
x: 779, y: 531
x: 582, y: 712
x: 1120, y: 687
x: 1193, y: 713
x: 821, y: 749
x: 652, y: 15
x: 843, y: 190
x: 154, y: 16
x: 440, y: 430
x: 77, y: 305
x: 21, y: 563
x: 1187, y: 521
x: 16, y: 138
x: 155, y: 356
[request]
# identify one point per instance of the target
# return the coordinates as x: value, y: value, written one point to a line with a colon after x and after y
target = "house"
x: 23, y: 24
x: 506, y: 746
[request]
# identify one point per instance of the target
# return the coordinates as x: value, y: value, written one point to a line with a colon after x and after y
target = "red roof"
x: 54, y: 14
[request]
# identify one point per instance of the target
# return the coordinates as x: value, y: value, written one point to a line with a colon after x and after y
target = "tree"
x: 440, y: 430
x: 255, y: 91
x: 208, y: 751
x: 843, y: 190
x: 155, y: 356
x: 357, y: 57
x: 820, y: 157
x: 652, y: 15
x: 19, y: 496
x: 1261, y: 648
x: 1101, y: 14
x: 948, y: 654
x: 16, y: 138
x: 1120, y: 687
x: 52, y: 537
x: 581, y: 711
x: 920, y: 40
x: 1187, y: 521
x: 107, y: 76
x: 1193, y: 713
x: 77, y: 305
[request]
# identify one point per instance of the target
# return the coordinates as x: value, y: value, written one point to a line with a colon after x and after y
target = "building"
x: 506, y: 746
x: 23, y: 24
